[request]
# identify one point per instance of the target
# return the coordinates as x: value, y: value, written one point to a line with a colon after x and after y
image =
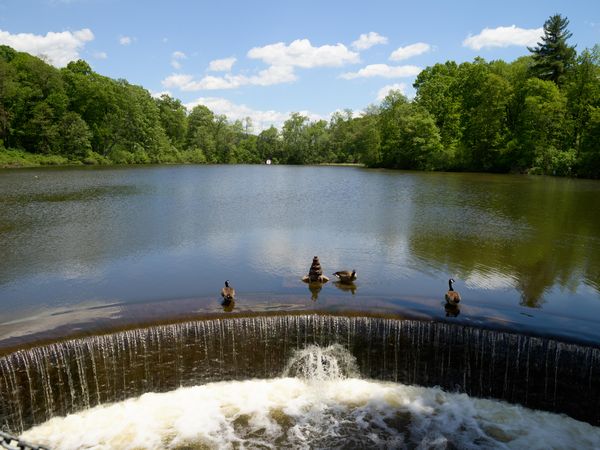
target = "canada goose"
x: 345, y: 276
x: 228, y: 293
x: 452, y: 296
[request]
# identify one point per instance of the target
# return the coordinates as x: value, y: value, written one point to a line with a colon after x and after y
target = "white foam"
x: 298, y: 413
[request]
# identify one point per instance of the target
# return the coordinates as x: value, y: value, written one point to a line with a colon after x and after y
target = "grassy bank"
x: 19, y: 158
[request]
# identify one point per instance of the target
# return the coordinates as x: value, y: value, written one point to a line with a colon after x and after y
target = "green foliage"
x: 541, y: 127
x: 409, y: 136
x: 20, y: 158
x: 439, y: 93
x: 589, y: 159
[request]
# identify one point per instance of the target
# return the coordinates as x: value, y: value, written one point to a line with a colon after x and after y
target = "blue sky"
x: 265, y: 59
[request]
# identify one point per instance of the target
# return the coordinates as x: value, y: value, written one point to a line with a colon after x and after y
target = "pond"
x: 79, y: 246
x: 110, y: 282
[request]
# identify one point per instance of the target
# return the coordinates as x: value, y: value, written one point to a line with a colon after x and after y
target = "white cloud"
x: 221, y: 65
x: 125, y: 40
x: 301, y: 53
x: 100, y: 55
x: 409, y: 51
x: 382, y: 70
x: 176, y: 57
x: 58, y: 48
x: 261, y: 120
x: 159, y: 94
x: 384, y: 91
x: 503, y: 37
x: 366, y: 41
x: 267, y: 77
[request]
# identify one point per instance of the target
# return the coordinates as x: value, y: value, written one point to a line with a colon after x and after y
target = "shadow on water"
x: 64, y: 377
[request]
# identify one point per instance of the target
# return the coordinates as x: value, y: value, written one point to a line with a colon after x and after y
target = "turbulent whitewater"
x: 321, y: 407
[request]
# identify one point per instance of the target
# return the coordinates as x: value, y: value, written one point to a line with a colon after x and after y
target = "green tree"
x: 541, y: 130
x: 410, y: 138
x: 41, y: 133
x: 75, y: 136
x: 268, y: 145
x: 173, y: 119
x: 199, y: 135
x: 484, y: 100
x: 367, y: 140
x: 438, y: 93
x: 589, y: 157
x: 553, y: 57
x: 317, y: 143
x: 342, y: 140
x: 583, y: 92
x: 295, y: 143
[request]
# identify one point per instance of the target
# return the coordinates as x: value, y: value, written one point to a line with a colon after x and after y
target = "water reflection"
x: 228, y: 305
x: 315, y: 287
x: 451, y: 310
x: 346, y: 287
x: 156, y: 233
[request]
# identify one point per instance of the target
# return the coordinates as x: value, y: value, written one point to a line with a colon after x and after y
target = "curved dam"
x: 46, y: 382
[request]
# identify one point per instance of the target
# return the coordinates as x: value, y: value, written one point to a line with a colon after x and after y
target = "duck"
x: 345, y: 276
x: 452, y: 296
x: 228, y: 293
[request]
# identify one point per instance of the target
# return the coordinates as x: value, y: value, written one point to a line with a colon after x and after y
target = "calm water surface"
x: 84, y: 246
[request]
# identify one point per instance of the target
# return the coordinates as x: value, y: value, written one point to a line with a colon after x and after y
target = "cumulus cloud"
x: 366, y: 41
x: 100, y: 55
x: 271, y: 75
x: 176, y: 57
x: 384, y: 91
x: 58, y: 48
x: 382, y: 70
x: 125, y: 40
x: 409, y: 51
x: 261, y: 120
x: 221, y: 65
x: 301, y: 53
x: 503, y: 37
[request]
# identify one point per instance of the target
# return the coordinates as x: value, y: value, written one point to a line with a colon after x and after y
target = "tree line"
x: 538, y: 114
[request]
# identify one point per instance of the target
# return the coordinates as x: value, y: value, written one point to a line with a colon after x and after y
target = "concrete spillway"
x: 39, y: 383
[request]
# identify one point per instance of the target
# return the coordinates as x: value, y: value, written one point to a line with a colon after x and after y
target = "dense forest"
x: 538, y: 114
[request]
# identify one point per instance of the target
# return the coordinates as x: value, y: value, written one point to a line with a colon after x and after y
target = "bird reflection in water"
x: 228, y: 305
x: 346, y: 287
x: 452, y: 310
x: 314, y: 289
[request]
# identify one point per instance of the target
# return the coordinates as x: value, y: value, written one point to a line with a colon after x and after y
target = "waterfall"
x: 315, y: 363
x: 56, y: 379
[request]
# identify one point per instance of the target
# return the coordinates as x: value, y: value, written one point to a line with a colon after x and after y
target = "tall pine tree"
x: 553, y: 56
